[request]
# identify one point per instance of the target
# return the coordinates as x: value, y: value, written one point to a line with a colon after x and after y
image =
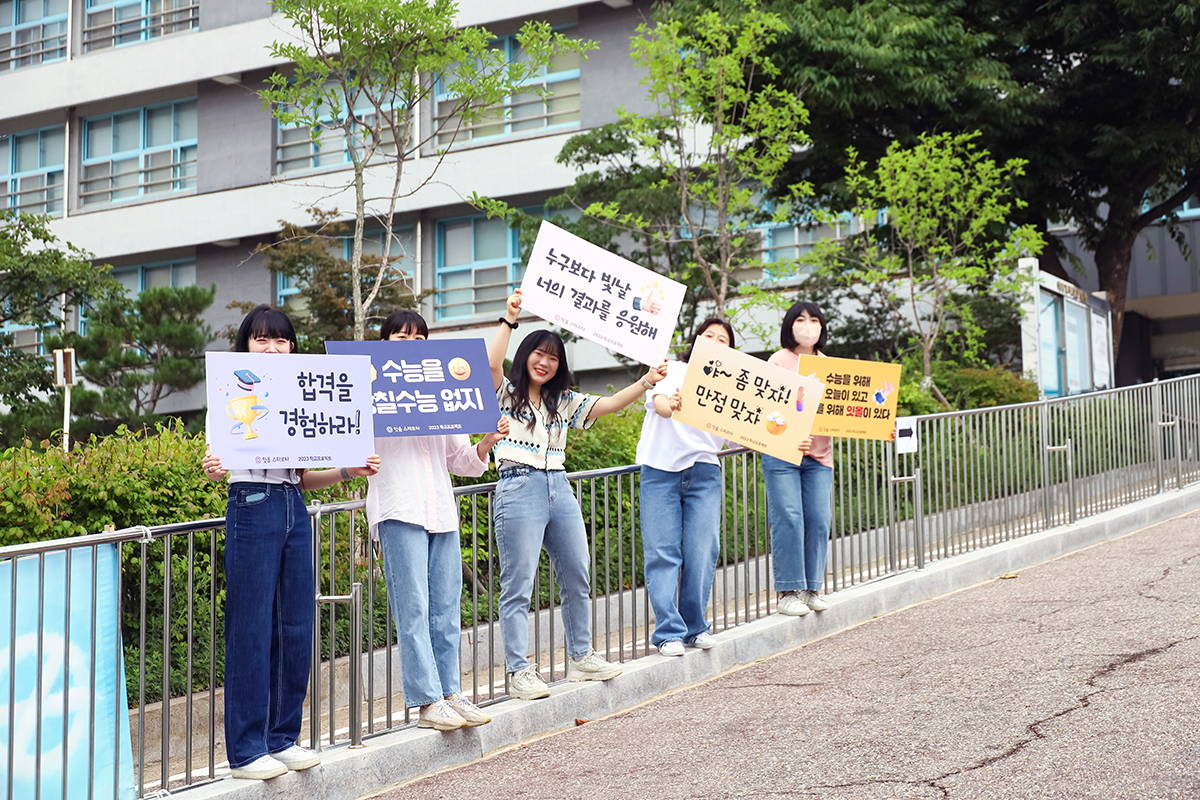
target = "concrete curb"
x: 345, y: 774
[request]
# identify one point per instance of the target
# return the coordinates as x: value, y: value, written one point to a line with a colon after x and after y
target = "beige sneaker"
x: 441, y: 716
x: 591, y: 667
x: 260, y: 769
x: 527, y: 684
x: 472, y: 713
x: 792, y: 604
x: 297, y: 758
x: 814, y: 601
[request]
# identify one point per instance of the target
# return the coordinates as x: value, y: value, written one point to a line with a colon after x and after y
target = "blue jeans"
x: 681, y: 538
x: 799, y: 513
x: 533, y: 508
x: 424, y: 580
x: 268, y: 618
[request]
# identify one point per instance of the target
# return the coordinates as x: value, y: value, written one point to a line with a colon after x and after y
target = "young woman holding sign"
x: 268, y: 590
x: 414, y: 516
x: 681, y: 508
x: 799, y: 498
x: 534, y: 505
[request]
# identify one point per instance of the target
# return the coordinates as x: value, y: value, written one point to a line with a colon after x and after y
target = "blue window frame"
x: 296, y: 148
x: 522, y: 112
x: 785, y: 244
x: 403, y: 253
x: 117, y: 22
x: 156, y: 275
x: 31, y: 170
x: 143, y: 151
x: 1191, y: 207
x: 32, y: 32
x: 478, y: 265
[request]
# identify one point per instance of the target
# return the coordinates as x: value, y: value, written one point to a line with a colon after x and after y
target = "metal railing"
x: 978, y: 478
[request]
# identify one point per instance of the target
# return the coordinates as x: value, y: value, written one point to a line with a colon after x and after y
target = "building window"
x: 518, y: 113
x: 31, y: 170
x: 162, y: 274
x: 298, y: 149
x: 478, y: 265
x: 117, y: 22
x: 144, y: 151
x: 32, y: 32
x: 1191, y: 207
x: 784, y: 244
x: 403, y: 253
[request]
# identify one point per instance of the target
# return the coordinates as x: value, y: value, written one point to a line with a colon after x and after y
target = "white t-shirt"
x: 669, y: 445
x: 413, y: 485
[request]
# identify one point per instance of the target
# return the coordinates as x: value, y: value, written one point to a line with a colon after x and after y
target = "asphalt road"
x: 1074, y: 679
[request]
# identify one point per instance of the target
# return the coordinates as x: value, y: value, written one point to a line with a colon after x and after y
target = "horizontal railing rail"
x: 977, y: 478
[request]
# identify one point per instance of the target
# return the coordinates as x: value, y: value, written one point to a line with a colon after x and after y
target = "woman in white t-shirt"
x: 681, y: 508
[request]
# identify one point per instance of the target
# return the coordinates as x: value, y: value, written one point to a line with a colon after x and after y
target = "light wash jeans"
x: 533, y: 508
x: 681, y: 537
x: 268, y: 618
x: 424, y: 580
x: 799, y: 513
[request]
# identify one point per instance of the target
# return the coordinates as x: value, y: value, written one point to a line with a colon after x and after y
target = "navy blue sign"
x: 419, y: 388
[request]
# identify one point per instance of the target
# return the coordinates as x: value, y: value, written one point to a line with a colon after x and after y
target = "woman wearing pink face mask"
x: 799, y: 498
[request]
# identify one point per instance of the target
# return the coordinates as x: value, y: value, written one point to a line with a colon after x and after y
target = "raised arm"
x: 499, y: 348
x: 627, y: 396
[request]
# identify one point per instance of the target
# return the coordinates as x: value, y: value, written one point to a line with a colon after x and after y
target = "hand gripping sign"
x: 748, y: 401
x: 601, y: 296
x: 421, y: 388
x: 859, y: 399
x: 276, y: 411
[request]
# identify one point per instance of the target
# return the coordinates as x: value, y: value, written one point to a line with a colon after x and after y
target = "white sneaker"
x: 297, y: 757
x: 472, y: 713
x: 441, y: 716
x: 814, y: 602
x: 705, y: 641
x: 671, y: 648
x: 591, y: 667
x: 527, y: 684
x: 260, y: 769
x: 792, y: 604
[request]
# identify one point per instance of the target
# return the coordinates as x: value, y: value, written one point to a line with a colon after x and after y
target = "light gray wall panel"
x: 609, y: 78
x: 219, y: 13
x: 236, y: 136
x: 239, y: 276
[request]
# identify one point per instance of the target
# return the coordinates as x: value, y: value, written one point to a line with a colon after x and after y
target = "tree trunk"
x: 1113, y: 257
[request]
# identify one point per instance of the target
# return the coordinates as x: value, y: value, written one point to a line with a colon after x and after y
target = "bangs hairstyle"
x: 264, y: 321
x: 402, y: 320
x: 787, y: 339
x: 552, y: 390
x: 701, y: 328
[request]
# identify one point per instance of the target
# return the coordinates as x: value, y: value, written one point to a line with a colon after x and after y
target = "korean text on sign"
x: 268, y: 411
x: 601, y: 296
x: 748, y: 401
x: 860, y: 397
x: 422, y: 387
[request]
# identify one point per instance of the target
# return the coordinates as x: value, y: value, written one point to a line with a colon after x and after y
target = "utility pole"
x: 64, y: 376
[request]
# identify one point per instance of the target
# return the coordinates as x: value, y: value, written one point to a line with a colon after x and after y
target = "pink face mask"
x: 806, y: 335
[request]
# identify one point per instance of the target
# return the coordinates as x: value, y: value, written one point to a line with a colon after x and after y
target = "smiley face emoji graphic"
x: 776, y: 423
x: 460, y: 370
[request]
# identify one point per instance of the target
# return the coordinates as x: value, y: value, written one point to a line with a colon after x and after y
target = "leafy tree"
x: 39, y: 278
x: 364, y: 69
x: 140, y: 351
x: 947, y: 236
x: 322, y: 309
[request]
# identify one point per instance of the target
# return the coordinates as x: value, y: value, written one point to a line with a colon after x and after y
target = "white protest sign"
x: 601, y: 296
x: 280, y: 411
x: 906, y: 435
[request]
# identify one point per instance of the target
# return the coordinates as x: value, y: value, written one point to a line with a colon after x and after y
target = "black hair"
x: 401, y: 320
x: 701, y: 328
x: 264, y: 321
x: 787, y: 339
x: 553, y: 389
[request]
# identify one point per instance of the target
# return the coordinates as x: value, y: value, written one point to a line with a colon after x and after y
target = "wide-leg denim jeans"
x: 268, y: 618
x: 681, y: 533
x: 535, y: 508
x: 799, y: 513
x: 424, y: 583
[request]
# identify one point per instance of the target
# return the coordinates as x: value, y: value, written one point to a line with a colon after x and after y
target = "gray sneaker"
x: 591, y: 667
x: 814, y: 601
x: 472, y: 713
x: 527, y: 684
x: 792, y: 604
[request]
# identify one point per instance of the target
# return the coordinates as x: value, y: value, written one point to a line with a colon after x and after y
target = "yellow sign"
x: 748, y: 401
x: 859, y: 400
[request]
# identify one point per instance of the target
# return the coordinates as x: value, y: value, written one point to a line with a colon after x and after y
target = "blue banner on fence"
x: 84, y: 712
x: 421, y: 388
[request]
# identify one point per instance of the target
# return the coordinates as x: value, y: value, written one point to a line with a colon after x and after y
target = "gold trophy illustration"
x: 246, y: 410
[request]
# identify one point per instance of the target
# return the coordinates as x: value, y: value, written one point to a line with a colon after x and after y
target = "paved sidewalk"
x: 1075, y: 679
